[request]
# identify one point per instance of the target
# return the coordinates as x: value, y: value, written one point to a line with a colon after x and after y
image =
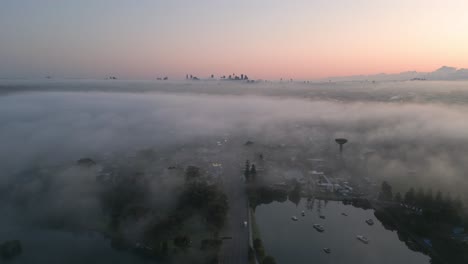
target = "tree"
x: 295, y: 195
x: 86, y: 162
x: 247, y: 170
x: 251, y: 255
x: 192, y: 173
x: 10, y: 249
x: 217, y: 211
x: 164, y: 248
x: 410, y: 196
x: 398, y: 197
x: 258, y: 246
x: 457, y: 203
x: 386, y: 192
x: 268, y: 260
x: 253, y: 171
x: 438, y: 199
x: 448, y: 199
x: 182, y: 242
x: 428, y: 199
x: 242, y: 76
x: 420, y: 197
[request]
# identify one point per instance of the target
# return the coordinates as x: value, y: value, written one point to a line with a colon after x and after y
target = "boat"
x: 363, y: 239
x: 318, y: 227
x: 303, y: 213
x: 322, y: 216
x: 327, y: 250
x: 143, y: 249
x: 370, y: 221
x: 345, y: 214
x: 294, y: 218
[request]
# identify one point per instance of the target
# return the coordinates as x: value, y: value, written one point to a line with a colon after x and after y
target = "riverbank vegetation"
x: 431, y: 224
x: 264, y: 195
x: 260, y: 253
x: 188, y: 230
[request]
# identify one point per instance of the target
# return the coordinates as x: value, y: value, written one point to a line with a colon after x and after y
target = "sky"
x: 271, y: 39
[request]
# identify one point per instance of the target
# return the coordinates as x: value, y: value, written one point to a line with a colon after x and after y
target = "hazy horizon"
x: 272, y: 40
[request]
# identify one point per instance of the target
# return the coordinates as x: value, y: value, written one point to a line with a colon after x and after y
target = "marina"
x: 303, y: 241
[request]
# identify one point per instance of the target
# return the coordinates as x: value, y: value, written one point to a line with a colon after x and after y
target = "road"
x: 235, y: 250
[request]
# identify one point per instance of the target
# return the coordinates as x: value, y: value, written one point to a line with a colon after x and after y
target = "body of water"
x: 298, y: 242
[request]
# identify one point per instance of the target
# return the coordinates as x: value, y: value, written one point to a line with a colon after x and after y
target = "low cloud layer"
x: 410, y: 143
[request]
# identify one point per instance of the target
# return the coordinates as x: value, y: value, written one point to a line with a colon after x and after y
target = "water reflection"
x: 298, y: 242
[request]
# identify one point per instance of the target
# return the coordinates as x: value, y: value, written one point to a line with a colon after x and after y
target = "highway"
x: 235, y: 250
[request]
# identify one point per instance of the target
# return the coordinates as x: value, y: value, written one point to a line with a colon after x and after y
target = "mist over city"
x: 404, y: 134
x: 218, y: 132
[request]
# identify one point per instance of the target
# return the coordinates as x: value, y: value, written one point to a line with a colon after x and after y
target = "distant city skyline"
x: 264, y: 39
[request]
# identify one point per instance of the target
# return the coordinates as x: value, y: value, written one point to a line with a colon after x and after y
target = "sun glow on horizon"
x: 265, y: 39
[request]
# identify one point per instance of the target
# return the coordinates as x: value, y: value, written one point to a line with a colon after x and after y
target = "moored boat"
x: 363, y: 239
x: 318, y: 227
